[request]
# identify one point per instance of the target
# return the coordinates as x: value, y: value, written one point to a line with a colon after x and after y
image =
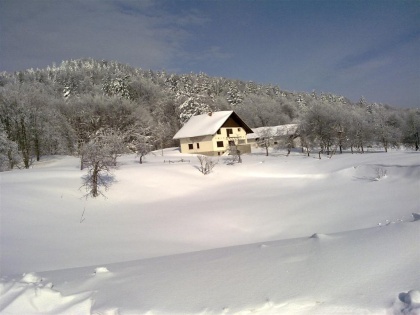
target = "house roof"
x: 281, y: 130
x: 208, y: 124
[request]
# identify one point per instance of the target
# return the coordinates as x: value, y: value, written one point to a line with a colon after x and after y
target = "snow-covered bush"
x: 206, y: 164
x: 380, y: 173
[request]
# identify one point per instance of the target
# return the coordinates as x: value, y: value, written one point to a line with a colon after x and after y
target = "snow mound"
x: 114, y: 311
x: 31, y: 277
x: 411, y: 298
x: 410, y: 303
x: 319, y: 236
x: 30, y: 296
x: 101, y: 270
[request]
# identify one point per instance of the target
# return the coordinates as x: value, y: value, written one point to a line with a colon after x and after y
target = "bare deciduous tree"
x: 99, y: 159
x: 266, y: 138
x: 206, y: 164
x: 9, y: 155
x: 142, y: 146
x: 411, y: 130
x: 114, y: 142
x: 234, y: 152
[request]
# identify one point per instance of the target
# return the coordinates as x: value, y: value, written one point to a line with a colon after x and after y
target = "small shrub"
x: 380, y: 173
x: 206, y: 164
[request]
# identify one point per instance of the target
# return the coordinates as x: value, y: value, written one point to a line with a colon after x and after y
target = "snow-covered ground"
x: 273, y: 235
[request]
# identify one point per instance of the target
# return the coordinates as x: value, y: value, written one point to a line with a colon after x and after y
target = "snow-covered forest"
x: 62, y: 108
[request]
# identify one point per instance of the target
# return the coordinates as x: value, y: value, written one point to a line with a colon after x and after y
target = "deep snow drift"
x: 273, y: 235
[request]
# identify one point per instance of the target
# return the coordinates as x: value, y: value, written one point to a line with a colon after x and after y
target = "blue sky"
x: 354, y: 48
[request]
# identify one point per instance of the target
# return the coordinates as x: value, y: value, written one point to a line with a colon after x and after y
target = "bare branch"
x: 206, y: 164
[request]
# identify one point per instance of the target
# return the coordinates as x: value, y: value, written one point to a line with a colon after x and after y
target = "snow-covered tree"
x: 387, y: 127
x: 234, y: 96
x: 193, y: 106
x: 317, y: 124
x: 143, y: 147
x: 266, y: 138
x: 360, y: 130
x: 113, y: 141
x: 99, y: 156
x: 9, y: 155
x: 142, y: 140
x: 262, y: 111
x: 411, y: 129
x: 117, y: 86
x: 206, y: 164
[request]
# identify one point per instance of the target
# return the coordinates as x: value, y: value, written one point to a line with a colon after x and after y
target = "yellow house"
x: 213, y: 134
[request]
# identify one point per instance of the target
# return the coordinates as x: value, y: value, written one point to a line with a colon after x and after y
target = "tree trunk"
x: 23, y: 143
x: 95, y: 175
x: 37, y: 148
x: 11, y: 160
x: 385, y: 144
x: 81, y: 163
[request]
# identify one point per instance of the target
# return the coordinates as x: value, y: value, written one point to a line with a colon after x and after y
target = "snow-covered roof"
x: 207, y: 124
x: 281, y: 130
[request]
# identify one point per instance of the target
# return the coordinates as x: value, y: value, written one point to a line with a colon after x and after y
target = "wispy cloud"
x: 210, y: 53
x: 135, y: 32
x: 375, y: 53
x: 132, y: 7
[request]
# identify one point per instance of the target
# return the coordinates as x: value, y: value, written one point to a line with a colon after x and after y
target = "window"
x: 198, y: 146
x: 190, y: 146
x: 239, y: 129
x: 229, y: 132
x: 220, y: 144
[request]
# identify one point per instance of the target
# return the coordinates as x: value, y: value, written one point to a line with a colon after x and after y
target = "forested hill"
x: 57, y: 109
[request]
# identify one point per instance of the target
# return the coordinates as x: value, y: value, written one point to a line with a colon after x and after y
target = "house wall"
x: 230, y: 131
x: 200, y: 145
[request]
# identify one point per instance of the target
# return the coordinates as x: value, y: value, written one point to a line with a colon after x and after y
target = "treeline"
x: 60, y: 109
x: 330, y: 126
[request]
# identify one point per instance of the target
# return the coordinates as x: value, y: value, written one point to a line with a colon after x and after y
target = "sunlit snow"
x: 273, y: 235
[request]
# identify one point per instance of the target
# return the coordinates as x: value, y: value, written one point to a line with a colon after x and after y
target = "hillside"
x: 57, y: 110
x: 273, y: 235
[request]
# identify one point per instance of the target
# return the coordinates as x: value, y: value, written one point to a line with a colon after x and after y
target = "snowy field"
x: 273, y: 235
